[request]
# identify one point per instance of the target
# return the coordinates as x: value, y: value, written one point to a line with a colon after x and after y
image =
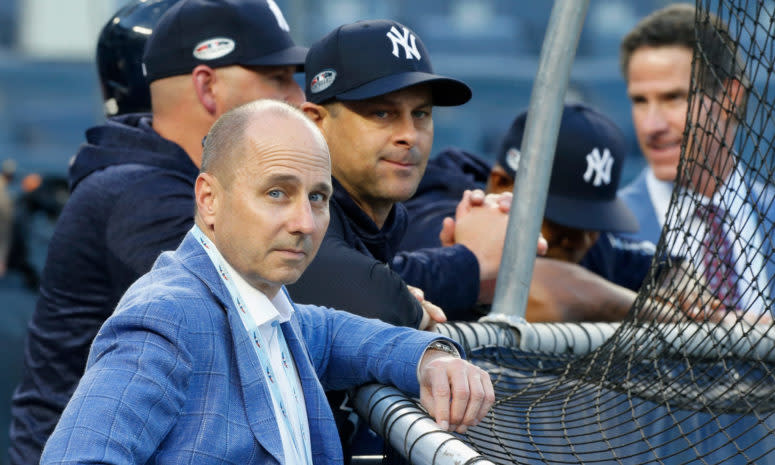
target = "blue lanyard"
x: 261, y: 348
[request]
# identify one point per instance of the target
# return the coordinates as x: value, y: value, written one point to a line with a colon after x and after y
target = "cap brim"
x: 447, y: 92
x: 609, y: 216
x: 291, y: 56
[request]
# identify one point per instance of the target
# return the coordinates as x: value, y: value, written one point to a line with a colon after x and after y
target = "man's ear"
x: 733, y: 99
x: 207, y: 195
x: 316, y: 113
x: 203, y: 78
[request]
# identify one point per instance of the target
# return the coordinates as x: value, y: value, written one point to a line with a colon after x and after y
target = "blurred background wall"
x: 49, y: 94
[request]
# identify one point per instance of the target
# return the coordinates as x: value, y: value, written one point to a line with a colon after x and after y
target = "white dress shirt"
x: 659, y: 193
x: 265, y: 311
x: 741, y: 233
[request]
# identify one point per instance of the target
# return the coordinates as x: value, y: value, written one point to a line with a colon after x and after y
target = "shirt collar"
x: 732, y: 193
x: 659, y: 192
x: 261, y: 307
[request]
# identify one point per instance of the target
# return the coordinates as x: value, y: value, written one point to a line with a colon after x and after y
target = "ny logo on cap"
x: 403, y: 40
x: 599, y: 166
x: 513, y: 156
x: 278, y: 14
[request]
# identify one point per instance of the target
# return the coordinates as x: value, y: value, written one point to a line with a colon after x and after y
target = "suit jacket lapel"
x: 650, y: 228
x: 324, y: 438
x: 256, y: 395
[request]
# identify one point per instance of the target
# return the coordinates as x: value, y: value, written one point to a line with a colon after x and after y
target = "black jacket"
x: 359, y: 268
x: 132, y: 198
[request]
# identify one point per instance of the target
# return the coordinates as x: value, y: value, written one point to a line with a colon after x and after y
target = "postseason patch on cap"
x: 214, y: 48
x: 322, y: 81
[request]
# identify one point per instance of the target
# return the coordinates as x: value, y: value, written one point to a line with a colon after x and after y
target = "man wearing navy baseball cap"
x: 133, y: 186
x: 371, y: 89
x: 582, y: 206
x: 206, y: 57
x: 581, y: 210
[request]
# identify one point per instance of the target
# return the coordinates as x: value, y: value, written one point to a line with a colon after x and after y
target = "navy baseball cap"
x: 585, y: 173
x: 220, y: 33
x: 366, y: 59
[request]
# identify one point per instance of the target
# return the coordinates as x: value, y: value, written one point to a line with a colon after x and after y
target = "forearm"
x: 562, y: 291
x: 348, y: 350
x: 449, y: 277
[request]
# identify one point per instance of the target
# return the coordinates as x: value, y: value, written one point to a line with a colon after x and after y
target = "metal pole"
x: 554, y: 338
x: 712, y: 341
x: 535, y: 166
x: 410, y: 430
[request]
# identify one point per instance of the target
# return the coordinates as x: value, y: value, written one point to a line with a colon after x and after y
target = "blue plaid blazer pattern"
x: 172, y: 377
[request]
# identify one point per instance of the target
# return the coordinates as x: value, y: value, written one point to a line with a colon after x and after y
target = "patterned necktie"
x: 717, y: 256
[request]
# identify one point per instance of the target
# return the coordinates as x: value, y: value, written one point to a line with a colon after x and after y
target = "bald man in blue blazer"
x: 207, y: 360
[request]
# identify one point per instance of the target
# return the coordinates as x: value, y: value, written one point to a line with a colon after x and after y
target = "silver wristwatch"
x: 444, y: 346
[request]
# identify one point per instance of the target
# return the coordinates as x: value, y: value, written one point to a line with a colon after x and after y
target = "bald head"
x: 244, y: 129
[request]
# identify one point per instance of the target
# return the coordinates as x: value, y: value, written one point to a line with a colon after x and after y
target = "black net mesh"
x: 689, y: 377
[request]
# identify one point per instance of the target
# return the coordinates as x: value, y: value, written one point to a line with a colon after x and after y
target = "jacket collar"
x: 382, y: 243
x: 129, y: 140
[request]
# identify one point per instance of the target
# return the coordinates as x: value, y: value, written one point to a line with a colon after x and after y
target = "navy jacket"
x: 452, y: 171
x: 359, y: 269
x: 132, y: 198
x: 621, y: 261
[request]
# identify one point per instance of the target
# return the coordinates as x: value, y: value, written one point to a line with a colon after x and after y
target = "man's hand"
x: 702, y: 307
x: 542, y: 247
x: 482, y: 229
x: 477, y: 198
x: 678, y: 297
x: 473, y: 199
x: 456, y: 393
x: 431, y: 314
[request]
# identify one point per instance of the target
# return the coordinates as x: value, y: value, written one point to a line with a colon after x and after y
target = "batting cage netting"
x: 689, y: 375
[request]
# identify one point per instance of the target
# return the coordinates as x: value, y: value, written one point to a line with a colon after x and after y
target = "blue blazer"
x: 636, y: 196
x: 172, y: 376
